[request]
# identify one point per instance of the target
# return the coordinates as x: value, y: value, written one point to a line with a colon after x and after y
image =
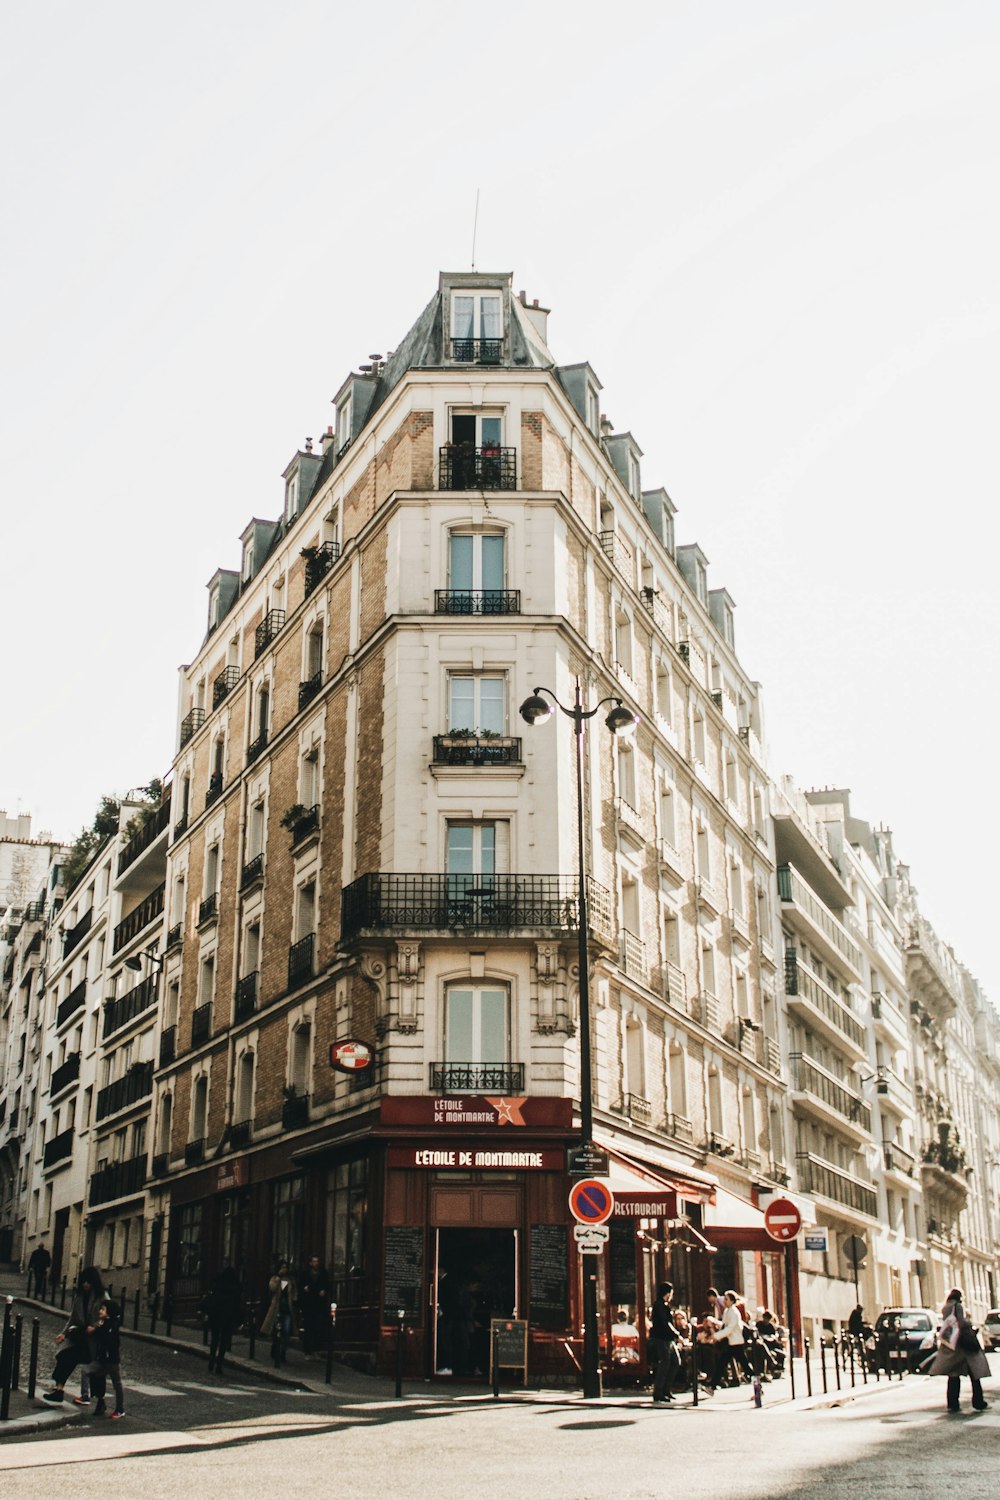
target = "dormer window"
x: 477, y: 327
x: 291, y: 496
x: 343, y: 426
x: 593, y: 418
x: 246, y: 571
x: 214, y: 595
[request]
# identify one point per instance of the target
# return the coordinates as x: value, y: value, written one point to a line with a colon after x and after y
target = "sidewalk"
x: 307, y: 1372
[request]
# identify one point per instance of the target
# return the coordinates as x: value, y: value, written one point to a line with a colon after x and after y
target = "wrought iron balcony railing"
x: 180, y: 826
x: 215, y: 786
x: 618, y: 554
x: 174, y: 936
x: 140, y: 997
x: 147, y: 834
x: 160, y: 1164
x: 147, y: 911
x: 68, y: 1072
x: 191, y: 723
x: 239, y: 1135
x: 463, y: 467
x: 168, y: 1045
x: 132, y: 1086
x: 471, y: 750
x: 73, y: 1002
x: 477, y: 601
x: 476, y: 1078
x: 272, y: 623
x: 477, y: 351
x: 194, y: 1151
x: 319, y: 563
x: 818, y: 1176
x: 306, y: 825
x: 253, y: 871
x: 118, y: 1179
x: 295, y: 1111
x: 75, y: 935
x: 802, y: 984
x: 794, y: 892
x: 201, y: 1024
x: 246, y: 996
x: 208, y: 907
x: 390, y: 903
x: 300, y: 960
x: 809, y: 1078
x: 224, y: 684
x: 58, y: 1149
x: 309, y: 689
x: 256, y: 746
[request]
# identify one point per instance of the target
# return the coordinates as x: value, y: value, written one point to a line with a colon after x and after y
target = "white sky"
x: 772, y: 229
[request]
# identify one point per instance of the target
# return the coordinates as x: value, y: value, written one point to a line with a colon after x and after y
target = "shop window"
x: 287, y: 1213
x: 189, y: 1241
x: 347, y: 1203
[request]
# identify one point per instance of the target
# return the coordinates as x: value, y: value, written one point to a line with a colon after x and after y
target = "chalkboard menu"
x: 549, y: 1291
x: 623, y: 1263
x: 402, y: 1285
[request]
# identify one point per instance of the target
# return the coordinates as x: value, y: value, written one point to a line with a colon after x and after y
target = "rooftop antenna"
x: 475, y: 226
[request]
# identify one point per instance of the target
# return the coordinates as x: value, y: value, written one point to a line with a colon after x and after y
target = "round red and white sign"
x: 782, y: 1219
x: 351, y: 1056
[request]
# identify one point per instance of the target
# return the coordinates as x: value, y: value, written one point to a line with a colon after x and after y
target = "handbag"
x: 967, y: 1341
x: 950, y: 1332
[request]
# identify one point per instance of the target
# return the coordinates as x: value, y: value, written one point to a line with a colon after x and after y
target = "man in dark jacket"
x: 661, y: 1346
x: 314, y: 1306
x: 39, y: 1262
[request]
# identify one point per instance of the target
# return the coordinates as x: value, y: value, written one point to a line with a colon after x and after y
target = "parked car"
x: 989, y: 1333
x: 903, y: 1333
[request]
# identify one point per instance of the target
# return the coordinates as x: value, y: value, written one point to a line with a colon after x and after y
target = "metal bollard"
x: 168, y: 1313
x: 62, y: 1295
x: 253, y: 1329
x: 809, y: 1379
x: 329, y: 1342
x: 400, y: 1315
x: 32, y: 1361
x: 850, y: 1351
x: 838, y: 1350
x: 135, y: 1310
x: 899, y: 1353
x: 15, y: 1370
x: 791, y: 1363
x: 863, y: 1361
x: 822, y: 1363
x: 154, y: 1310
x: 694, y: 1372
x: 6, y: 1350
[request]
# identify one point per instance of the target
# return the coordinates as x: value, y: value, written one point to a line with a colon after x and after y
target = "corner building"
x: 371, y: 846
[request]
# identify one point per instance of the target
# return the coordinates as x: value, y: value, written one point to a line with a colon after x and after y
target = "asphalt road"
x: 186, y: 1429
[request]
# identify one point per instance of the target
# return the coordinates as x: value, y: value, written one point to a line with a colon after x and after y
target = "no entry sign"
x: 782, y: 1219
x: 590, y: 1201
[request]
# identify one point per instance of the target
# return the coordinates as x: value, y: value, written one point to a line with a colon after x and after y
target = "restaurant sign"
x: 473, y: 1111
x: 470, y: 1158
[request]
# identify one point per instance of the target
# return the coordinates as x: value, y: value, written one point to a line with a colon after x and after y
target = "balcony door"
x: 476, y: 1037
x: 477, y: 703
x: 476, y: 460
x: 476, y: 566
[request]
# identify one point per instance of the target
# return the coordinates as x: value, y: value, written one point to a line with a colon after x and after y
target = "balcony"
x: 770, y: 1055
x: 627, y: 816
x: 319, y: 561
x: 174, y: 937
x: 674, y: 986
x: 147, y: 911
x: 224, y: 684
x: 477, y: 601
x: 160, y: 1165
x: 140, y: 998
x: 300, y: 960
x: 190, y: 724
x: 720, y: 1145
x: 679, y: 1127
x: 893, y: 1092
x: 633, y: 958
x: 295, y: 1111
x: 74, y: 936
x: 147, y: 834
x: 898, y: 1159
x: 180, y: 826
x: 813, y: 1000
x: 385, y: 904
x: 305, y: 825
x: 215, y: 787
x: 201, y: 1024
x: 821, y: 1177
x: 636, y: 1108
x: 309, y: 689
x: 60, y: 1148
x: 74, y: 1001
x: 888, y: 1018
x: 618, y: 554
x: 822, y: 928
x: 709, y: 1012
x: 67, y: 1073
x: 660, y: 612
x: 253, y: 871
x: 119, y: 1179
x: 246, y: 996
x: 812, y: 1081
x: 927, y: 972
x: 477, y: 351
x: 239, y: 1135
x: 132, y: 1086
x: 168, y: 1045
x: 256, y: 746
x: 194, y: 1151
x: 272, y: 623
x: 476, y: 1078
x: 463, y: 467
x: 476, y: 750
x: 208, y: 908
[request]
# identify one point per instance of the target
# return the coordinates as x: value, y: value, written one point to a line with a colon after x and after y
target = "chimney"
x: 537, y: 316
x: 326, y: 441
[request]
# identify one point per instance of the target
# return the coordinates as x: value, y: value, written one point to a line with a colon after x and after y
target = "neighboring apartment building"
x: 370, y: 845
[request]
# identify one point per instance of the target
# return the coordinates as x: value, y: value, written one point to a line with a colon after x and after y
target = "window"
x: 623, y: 641
x: 189, y: 1241
x: 732, y: 778
x: 477, y: 326
x: 255, y: 829
x: 476, y: 1025
x: 166, y: 1119
x: 476, y: 458
x: 251, y: 949
x: 314, y: 651
x: 478, y: 849
x: 347, y: 1200
x: 736, y: 888
x: 199, y: 1109
x: 477, y: 703
x: 678, y: 1080
x: 243, y: 1099
x: 476, y: 561
x: 708, y: 968
x: 263, y: 709
x: 698, y: 735
x: 626, y: 774
x: 630, y: 905
x: 291, y: 495
x: 212, y: 870
x: 343, y: 425
x: 287, y: 1212
x: 246, y: 571
x: 749, y: 1122
x: 306, y: 910
x: 664, y: 703
x: 668, y: 814
x: 702, y: 854
x: 309, y: 779
x: 635, y: 1061
x: 301, y: 1058
x: 714, y: 1101
x: 206, y: 985
x: 593, y: 410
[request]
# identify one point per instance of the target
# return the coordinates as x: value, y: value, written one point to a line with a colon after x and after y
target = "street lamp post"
x: 620, y: 720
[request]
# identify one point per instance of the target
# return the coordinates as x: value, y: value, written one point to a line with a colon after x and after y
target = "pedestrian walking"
x: 314, y: 1306
x: 39, y: 1262
x: 105, y: 1364
x: 959, y: 1353
x: 279, y: 1320
x: 224, y: 1312
x: 75, y: 1340
x: 730, y: 1339
x: 661, y: 1346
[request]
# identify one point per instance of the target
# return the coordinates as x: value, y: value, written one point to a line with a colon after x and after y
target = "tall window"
x: 668, y: 815
x: 189, y: 1241
x: 708, y: 968
x: 698, y: 735
x: 206, y: 980
x: 314, y: 651
x: 306, y: 913
x: 243, y: 1100
x: 476, y: 315
x: 626, y: 774
x: 347, y: 1201
x: 251, y: 949
x: 476, y: 1025
x: 476, y: 561
x: 309, y: 778
x: 714, y: 1101
x: 199, y: 1109
x: 301, y: 1058
x: 479, y: 849
x: 678, y: 1080
x: 623, y: 641
x: 166, y: 1119
x: 477, y: 703
x: 287, y: 1211
x: 255, y: 829
x: 212, y: 870
x: 664, y: 705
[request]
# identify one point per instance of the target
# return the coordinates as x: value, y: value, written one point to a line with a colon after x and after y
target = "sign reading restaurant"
x: 476, y: 1158
x: 474, y: 1111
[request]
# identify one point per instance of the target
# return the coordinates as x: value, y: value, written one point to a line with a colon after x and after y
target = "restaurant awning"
x: 659, y: 1183
x: 736, y: 1224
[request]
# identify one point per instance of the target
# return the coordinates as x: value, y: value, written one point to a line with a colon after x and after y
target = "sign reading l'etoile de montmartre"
x: 477, y: 1111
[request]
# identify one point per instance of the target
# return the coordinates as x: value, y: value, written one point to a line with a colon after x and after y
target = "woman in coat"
x: 282, y: 1313
x: 225, y: 1314
x: 958, y: 1361
x: 75, y: 1338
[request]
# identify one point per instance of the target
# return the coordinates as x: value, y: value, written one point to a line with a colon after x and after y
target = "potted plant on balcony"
x: 293, y: 815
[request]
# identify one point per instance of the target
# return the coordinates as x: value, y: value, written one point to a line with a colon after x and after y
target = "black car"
x: 903, y: 1334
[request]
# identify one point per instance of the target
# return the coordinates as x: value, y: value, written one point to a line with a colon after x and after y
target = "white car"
x: 989, y: 1332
